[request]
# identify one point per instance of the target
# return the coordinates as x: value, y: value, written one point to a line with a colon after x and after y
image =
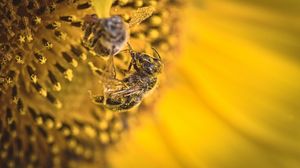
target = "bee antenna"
x: 156, y: 52
x: 131, y: 50
x: 90, y: 94
x: 125, y: 50
x: 129, y: 46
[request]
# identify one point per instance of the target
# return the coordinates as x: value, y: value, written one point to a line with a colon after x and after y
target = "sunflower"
x: 228, y: 98
x: 233, y: 95
x: 47, y: 117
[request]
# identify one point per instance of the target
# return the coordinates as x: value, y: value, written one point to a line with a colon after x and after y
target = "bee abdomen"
x: 130, y: 104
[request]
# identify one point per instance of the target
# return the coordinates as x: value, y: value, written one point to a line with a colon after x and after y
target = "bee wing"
x: 127, y: 92
x: 140, y: 15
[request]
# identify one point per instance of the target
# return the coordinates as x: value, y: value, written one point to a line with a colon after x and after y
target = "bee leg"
x: 129, y: 46
x: 96, y: 99
x: 103, y: 97
x: 110, y: 67
x: 130, y: 66
x: 156, y: 54
x: 132, y: 60
x: 87, y: 32
x: 125, y: 50
x: 104, y: 92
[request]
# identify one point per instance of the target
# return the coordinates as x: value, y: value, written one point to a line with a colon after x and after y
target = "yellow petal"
x: 233, y: 99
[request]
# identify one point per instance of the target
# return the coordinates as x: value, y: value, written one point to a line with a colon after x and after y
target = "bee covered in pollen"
x: 127, y: 93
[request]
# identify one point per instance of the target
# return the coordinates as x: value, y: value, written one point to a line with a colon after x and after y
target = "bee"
x: 130, y: 91
x: 107, y: 36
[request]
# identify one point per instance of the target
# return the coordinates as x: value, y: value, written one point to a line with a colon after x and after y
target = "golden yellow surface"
x: 102, y: 7
x: 233, y: 97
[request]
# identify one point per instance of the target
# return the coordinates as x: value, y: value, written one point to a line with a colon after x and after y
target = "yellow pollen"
x: 49, y: 124
x: 104, y: 138
x: 43, y: 92
x: 19, y: 60
x: 29, y: 38
x: 90, y: 131
x: 74, y: 63
x: 37, y: 20
x: 68, y: 74
x: 21, y: 39
x: 153, y: 34
x: 155, y: 20
x: 39, y: 121
x: 33, y: 78
x: 57, y: 87
x: 42, y: 60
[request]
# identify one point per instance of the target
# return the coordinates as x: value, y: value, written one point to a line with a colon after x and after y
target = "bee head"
x: 147, y: 64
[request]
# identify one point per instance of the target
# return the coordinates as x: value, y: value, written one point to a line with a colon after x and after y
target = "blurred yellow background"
x: 232, y: 99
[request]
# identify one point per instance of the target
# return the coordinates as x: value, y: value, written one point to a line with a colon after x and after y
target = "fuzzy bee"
x: 127, y: 93
x: 107, y: 36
